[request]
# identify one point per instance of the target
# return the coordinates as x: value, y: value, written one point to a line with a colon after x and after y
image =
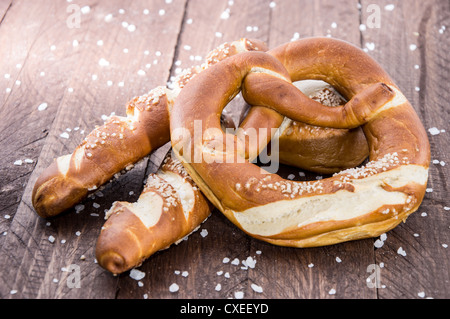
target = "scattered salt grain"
x: 389, y: 7
x: 174, y: 287
x: 137, y: 274
x: 225, y: 15
x: 257, y: 288
x: 249, y: 262
x: 204, y: 233
x: 226, y: 260
x: 338, y: 259
x: 235, y: 261
x: 108, y: 17
x: 412, y: 47
x: 421, y: 294
x: 310, y: 265
x: 64, y: 135
x: 85, y: 10
x: 332, y: 291
x: 239, y: 294
x: 131, y: 28
x: 218, y: 287
x: 51, y: 239
x: 42, y: 106
x: 401, y: 251
x: 272, y: 4
x: 103, y: 62
x: 434, y: 131
x: 162, y: 12
x: 370, y: 46
x: 18, y: 163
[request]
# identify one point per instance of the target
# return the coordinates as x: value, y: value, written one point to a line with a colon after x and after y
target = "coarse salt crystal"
x: 103, y: 62
x: 108, y: 17
x: 256, y: 288
x: 389, y: 7
x: 434, y: 131
x: 137, y: 274
x: 18, y: 163
x: 64, y: 135
x: 239, y: 294
x: 42, y: 106
x: 85, y: 10
x: 204, y: 233
x: 225, y: 14
x: 174, y: 287
x: 401, y: 251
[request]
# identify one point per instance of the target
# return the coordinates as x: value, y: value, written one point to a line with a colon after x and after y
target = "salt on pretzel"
x: 353, y: 204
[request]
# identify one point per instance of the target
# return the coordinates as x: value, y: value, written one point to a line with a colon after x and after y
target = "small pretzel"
x: 353, y: 204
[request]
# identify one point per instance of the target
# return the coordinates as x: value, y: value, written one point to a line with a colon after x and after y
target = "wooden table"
x: 67, y: 64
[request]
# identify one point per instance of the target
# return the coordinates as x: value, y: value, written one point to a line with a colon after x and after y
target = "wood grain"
x: 145, y: 44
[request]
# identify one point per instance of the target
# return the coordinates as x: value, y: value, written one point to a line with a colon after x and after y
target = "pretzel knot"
x: 352, y: 204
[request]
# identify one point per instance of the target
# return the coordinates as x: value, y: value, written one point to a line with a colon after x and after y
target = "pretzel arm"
x: 169, y: 208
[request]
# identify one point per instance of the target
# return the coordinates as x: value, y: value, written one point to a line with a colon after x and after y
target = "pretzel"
x: 353, y: 204
x: 120, y: 142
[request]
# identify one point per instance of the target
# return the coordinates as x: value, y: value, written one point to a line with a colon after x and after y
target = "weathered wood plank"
x: 338, y: 271
x: 207, y: 24
x: 410, y: 46
x: 91, y: 88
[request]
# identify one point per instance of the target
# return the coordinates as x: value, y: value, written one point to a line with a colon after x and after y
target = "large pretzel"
x: 123, y: 141
x: 353, y: 204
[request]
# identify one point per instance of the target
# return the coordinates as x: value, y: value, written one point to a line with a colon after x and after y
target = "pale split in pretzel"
x: 353, y: 204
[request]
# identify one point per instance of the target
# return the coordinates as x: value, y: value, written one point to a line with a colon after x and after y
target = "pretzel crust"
x: 372, y: 199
